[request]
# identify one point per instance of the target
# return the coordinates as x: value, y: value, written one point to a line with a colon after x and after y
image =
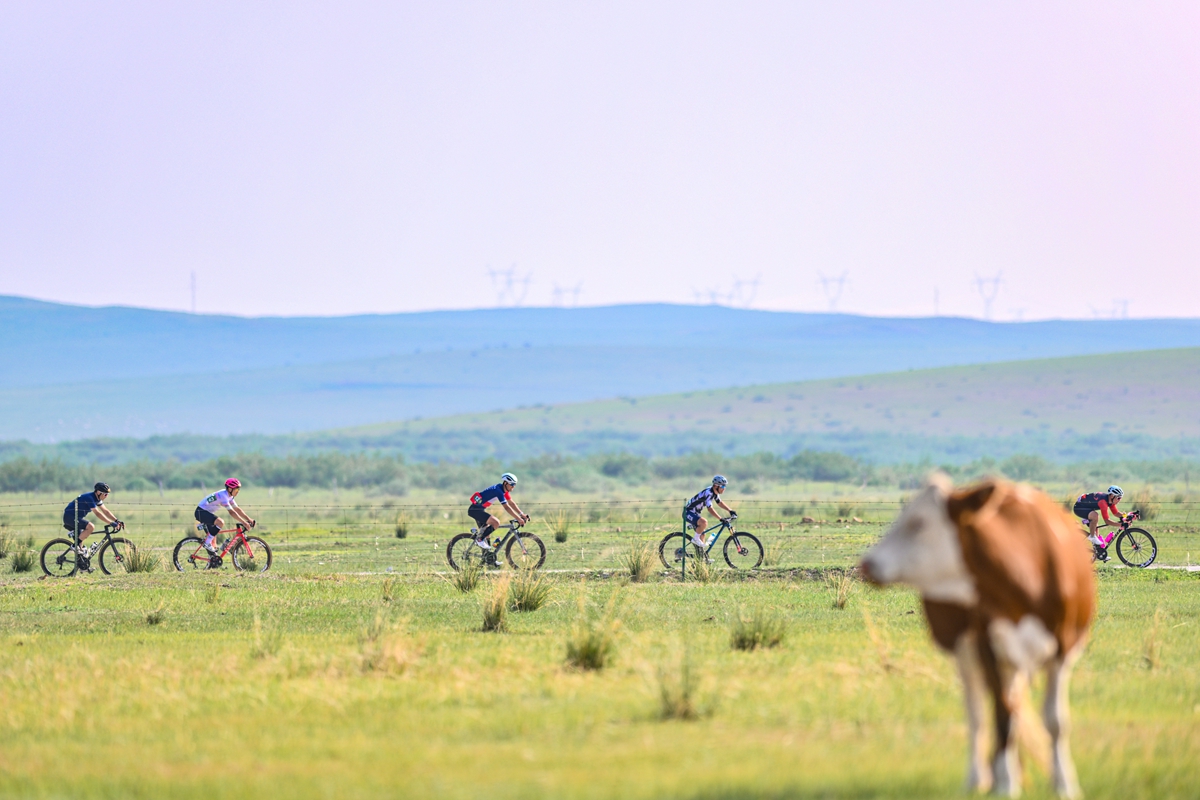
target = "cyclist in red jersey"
x: 1093, y: 505
x: 487, y: 522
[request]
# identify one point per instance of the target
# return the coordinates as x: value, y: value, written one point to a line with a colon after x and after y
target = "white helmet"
x: 509, y: 478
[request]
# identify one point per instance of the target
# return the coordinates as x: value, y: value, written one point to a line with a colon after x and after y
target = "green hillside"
x: 1154, y: 393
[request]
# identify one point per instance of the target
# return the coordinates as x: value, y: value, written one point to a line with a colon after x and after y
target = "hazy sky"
x: 349, y: 157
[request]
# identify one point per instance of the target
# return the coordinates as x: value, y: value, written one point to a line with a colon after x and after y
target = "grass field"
x: 310, y: 685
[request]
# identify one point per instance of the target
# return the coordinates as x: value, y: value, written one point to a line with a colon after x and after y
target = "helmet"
x: 719, y: 480
x: 101, y: 487
x: 1116, y: 490
x: 508, y: 477
x: 233, y: 483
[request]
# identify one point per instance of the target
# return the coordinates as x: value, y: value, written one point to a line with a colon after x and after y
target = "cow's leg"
x: 1057, y: 714
x: 1004, y: 684
x: 966, y: 652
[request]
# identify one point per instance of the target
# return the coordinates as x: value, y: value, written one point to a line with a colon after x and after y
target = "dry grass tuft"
x: 467, y: 578
x: 841, y: 586
x: 402, y: 526
x: 1152, y: 647
x: 138, y: 560
x: 638, y: 561
x: 1147, y: 503
x: 386, y: 649
x: 561, y: 524
x: 528, y: 591
x: 593, y: 639
x: 156, y: 616
x: 389, y: 589
x: 760, y: 627
x: 22, y: 560
x: 267, y: 639
x: 495, y: 606
x: 679, y: 692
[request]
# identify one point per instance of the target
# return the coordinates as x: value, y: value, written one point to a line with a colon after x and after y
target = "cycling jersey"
x: 491, y: 495
x: 1095, y: 501
x: 217, y: 500
x: 81, y: 506
x: 704, y: 499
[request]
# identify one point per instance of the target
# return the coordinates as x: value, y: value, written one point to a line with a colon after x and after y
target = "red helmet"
x: 233, y: 483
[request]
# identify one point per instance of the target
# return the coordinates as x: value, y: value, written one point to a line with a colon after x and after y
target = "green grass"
x: 310, y: 686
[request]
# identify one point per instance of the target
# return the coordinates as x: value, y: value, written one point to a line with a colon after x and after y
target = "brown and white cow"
x: 1008, y: 588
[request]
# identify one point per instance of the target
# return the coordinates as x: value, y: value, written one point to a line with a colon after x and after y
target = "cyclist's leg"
x: 86, y: 529
x: 1094, y: 522
x: 485, y: 522
x: 211, y: 523
x: 699, y: 524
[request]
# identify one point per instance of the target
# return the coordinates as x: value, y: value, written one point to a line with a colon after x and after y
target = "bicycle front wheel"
x: 115, y: 555
x: 525, y: 551
x: 58, y: 558
x: 190, y: 555
x: 1137, y: 548
x: 462, y: 551
x: 252, y: 555
x: 743, y: 551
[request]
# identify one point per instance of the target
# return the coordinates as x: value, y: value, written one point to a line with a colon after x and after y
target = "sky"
x: 1014, y: 161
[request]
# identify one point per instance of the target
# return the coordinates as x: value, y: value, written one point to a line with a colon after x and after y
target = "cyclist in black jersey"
x: 693, y: 509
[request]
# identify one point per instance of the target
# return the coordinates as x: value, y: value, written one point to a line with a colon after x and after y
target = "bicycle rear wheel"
x: 670, y: 550
x: 743, y: 551
x: 190, y: 555
x: 58, y: 558
x: 114, y: 555
x: 1137, y: 548
x: 462, y: 551
x: 252, y: 555
x: 525, y: 551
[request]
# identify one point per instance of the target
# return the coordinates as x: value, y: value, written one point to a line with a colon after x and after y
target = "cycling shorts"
x: 208, y: 520
x: 1082, y: 510
x: 480, y: 514
x: 76, y: 527
x: 691, y: 517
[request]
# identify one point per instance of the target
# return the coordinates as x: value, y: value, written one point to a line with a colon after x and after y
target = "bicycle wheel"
x: 58, y: 558
x: 743, y: 551
x: 1136, y: 548
x: 252, y: 555
x: 114, y: 555
x: 670, y: 550
x: 462, y: 551
x: 190, y: 554
x: 525, y: 551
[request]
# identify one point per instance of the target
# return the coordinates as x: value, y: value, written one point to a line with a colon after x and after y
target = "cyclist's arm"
x: 105, y: 515
x: 513, y: 510
x: 721, y: 503
x: 1104, y: 506
x: 241, y: 516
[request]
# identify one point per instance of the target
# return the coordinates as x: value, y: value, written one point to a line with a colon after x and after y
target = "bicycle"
x: 742, y: 550
x: 62, y: 558
x: 1135, y: 546
x: 523, y: 550
x: 244, y: 551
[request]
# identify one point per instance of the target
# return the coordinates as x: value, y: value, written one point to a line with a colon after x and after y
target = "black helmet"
x: 102, y: 487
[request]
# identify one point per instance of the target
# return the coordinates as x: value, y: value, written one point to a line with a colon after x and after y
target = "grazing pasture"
x: 310, y: 685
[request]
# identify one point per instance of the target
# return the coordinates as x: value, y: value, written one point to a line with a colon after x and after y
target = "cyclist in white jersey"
x: 210, y: 506
x: 703, y: 500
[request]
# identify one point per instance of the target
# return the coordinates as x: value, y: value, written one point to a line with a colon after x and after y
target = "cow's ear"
x: 970, y: 500
x: 939, y: 482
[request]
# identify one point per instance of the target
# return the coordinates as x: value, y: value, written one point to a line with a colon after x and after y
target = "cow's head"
x: 922, y: 548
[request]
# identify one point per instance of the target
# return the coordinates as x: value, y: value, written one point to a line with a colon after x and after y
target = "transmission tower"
x: 744, y: 292
x: 510, y: 289
x: 833, y: 287
x: 560, y: 293
x: 988, y: 288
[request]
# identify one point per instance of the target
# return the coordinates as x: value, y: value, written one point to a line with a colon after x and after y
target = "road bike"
x: 247, y: 552
x: 523, y: 550
x: 1135, y: 546
x: 62, y: 558
x: 741, y: 550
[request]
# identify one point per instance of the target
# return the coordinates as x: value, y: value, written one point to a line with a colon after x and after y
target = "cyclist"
x: 206, y: 512
x: 1092, y: 505
x: 75, y: 514
x: 486, y: 521
x: 693, y: 509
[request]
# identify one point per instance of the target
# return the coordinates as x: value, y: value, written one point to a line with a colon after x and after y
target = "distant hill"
x: 1141, y: 405
x: 68, y: 372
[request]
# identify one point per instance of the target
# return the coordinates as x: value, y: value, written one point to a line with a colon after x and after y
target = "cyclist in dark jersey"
x: 1092, y: 505
x: 75, y: 514
x: 487, y: 522
x: 693, y: 509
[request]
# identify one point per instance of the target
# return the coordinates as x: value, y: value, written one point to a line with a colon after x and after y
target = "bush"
x: 137, y: 560
x: 593, y: 638
x: 22, y: 560
x: 760, y: 627
x: 495, y: 607
x: 467, y: 578
x: 528, y: 591
x: 1147, y: 504
x: 638, y: 561
x: 402, y: 526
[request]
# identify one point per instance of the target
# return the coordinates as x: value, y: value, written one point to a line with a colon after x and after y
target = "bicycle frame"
x: 717, y: 531
x: 510, y: 530
x: 108, y: 530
